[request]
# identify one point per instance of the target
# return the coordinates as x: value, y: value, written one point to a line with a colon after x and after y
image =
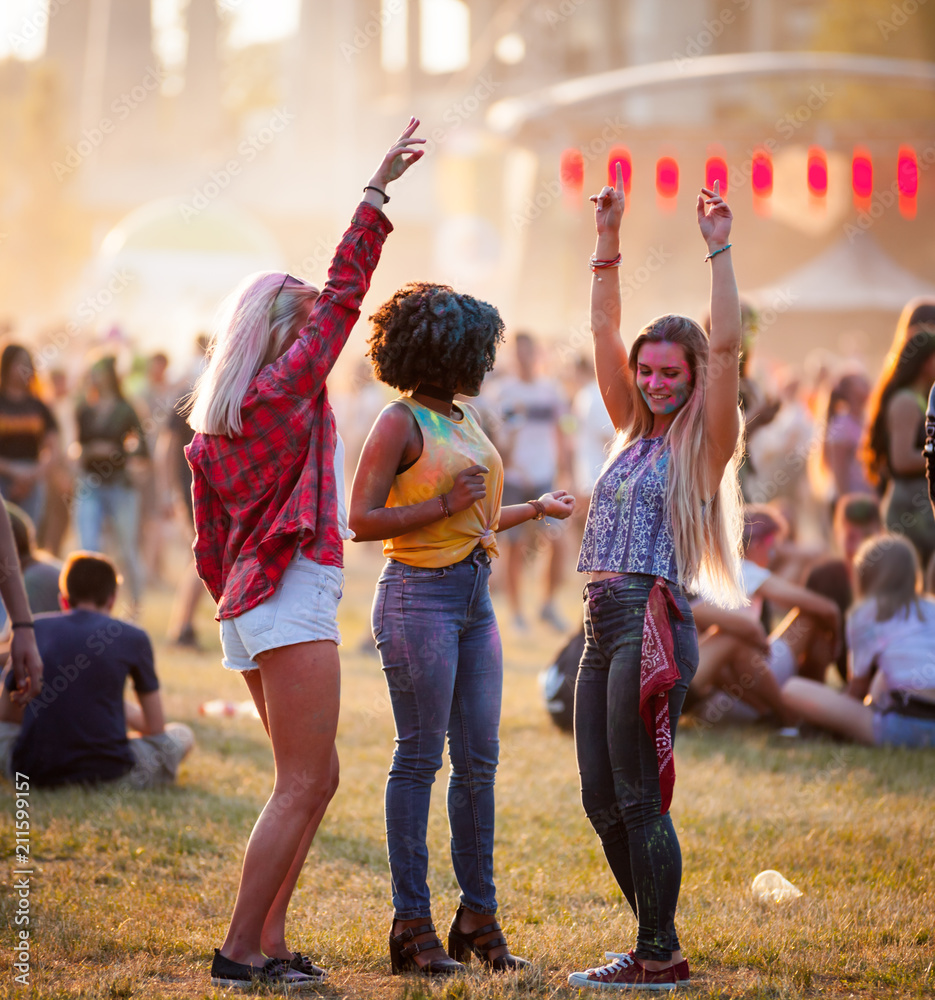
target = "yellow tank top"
x: 448, y: 446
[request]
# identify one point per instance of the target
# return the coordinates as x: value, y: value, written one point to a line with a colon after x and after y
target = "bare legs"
x: 296, y: 691
x: 186, y: 601
x: 829, y: 709
x: 728, y: 663
x: 524, y: 549
x: 809, y: 641
x: 740, y: 669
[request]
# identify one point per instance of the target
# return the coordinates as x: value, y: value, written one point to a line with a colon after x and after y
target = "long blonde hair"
x: 252, y: 326
x: 707, y: 536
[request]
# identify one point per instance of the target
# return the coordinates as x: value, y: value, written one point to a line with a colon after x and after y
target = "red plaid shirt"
x: 259, y: 496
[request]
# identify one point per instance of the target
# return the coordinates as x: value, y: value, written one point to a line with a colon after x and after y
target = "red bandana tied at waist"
x: 658, y: 674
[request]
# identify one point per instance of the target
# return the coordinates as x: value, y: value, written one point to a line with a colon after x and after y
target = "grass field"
x: 131, y: 893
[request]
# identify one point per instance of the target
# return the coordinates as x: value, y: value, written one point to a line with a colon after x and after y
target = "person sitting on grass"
x: 734, y: 681
x: 890, y: 696
x: 856, y: 518
x: 737, y: 658
x: 75, y: 730
x: 40, y: 569
x: 806, y: 640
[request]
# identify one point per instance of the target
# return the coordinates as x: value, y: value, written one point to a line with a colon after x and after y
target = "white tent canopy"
x: 852, y: 274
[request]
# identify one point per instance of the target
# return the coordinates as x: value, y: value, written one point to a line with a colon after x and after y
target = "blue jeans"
x: 617, y: 758
x: 121, y: 504
x: 440, y: 646
x: 33, y: 503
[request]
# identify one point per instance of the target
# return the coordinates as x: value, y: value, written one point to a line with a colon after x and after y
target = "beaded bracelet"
x: 714, y: 253
x: 444, y: 503
x: 597, y: 265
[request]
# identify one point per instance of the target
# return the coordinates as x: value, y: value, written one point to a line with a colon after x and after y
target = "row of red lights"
x: 761, y: 176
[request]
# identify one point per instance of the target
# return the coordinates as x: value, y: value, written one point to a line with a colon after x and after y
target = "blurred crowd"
x: 96, y: 463
x: 833, y: 464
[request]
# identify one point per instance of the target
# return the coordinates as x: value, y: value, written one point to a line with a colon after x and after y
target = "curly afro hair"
x: 431, y: 333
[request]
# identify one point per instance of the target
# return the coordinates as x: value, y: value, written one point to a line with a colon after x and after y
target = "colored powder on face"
x: 679, y: 389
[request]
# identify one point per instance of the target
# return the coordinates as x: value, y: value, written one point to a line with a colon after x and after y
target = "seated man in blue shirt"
x: 75, y: 730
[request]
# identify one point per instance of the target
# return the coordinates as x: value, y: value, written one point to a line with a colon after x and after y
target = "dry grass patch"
x: 132, y: 893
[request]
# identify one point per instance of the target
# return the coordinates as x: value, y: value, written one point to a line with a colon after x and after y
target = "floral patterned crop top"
x: 628, y: 528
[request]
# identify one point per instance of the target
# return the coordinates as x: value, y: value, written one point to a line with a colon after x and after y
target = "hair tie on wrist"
x: 714, y: 253
x: 31, y: 625
x: 373, y: 187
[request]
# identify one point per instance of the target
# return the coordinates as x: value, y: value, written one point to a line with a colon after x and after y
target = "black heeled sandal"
x: 403, y: 951
x: 461, y: 946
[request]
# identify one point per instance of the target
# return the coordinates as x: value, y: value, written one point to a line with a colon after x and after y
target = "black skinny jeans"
x: 617, y: 757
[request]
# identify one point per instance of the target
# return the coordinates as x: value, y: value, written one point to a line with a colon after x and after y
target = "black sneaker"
x: 302, y: 963
x: 274, y: 973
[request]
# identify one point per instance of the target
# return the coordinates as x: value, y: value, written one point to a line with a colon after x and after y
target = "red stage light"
x: 907, y: 172
x: 862, y: 174
x: 621, y: 155
x: 715, y: 169
x: 572, y: 170
x: 667, y: 177
x: 817, y: 171
x: 761, y: 174
x: 907, y: 180
x: 761, y: 180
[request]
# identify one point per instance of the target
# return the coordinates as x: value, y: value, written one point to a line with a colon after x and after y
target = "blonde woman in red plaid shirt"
x: 270, y: 519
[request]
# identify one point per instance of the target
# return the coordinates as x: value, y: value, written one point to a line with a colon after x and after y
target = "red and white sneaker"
x: 625, y: 973
x: 680, y: 969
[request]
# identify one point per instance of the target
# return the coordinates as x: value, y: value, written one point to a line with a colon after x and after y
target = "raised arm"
x: 723, y: 381
x: 303, y: 369
x: 610, y: 355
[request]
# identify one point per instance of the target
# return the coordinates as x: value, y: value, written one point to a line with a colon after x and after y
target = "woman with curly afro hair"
x: 428, y: 484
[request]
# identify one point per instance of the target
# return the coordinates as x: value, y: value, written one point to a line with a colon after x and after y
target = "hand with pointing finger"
x: 714, y: 218
x: 609, y: 205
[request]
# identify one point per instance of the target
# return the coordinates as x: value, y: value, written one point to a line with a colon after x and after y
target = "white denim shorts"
x: 303, y: 608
